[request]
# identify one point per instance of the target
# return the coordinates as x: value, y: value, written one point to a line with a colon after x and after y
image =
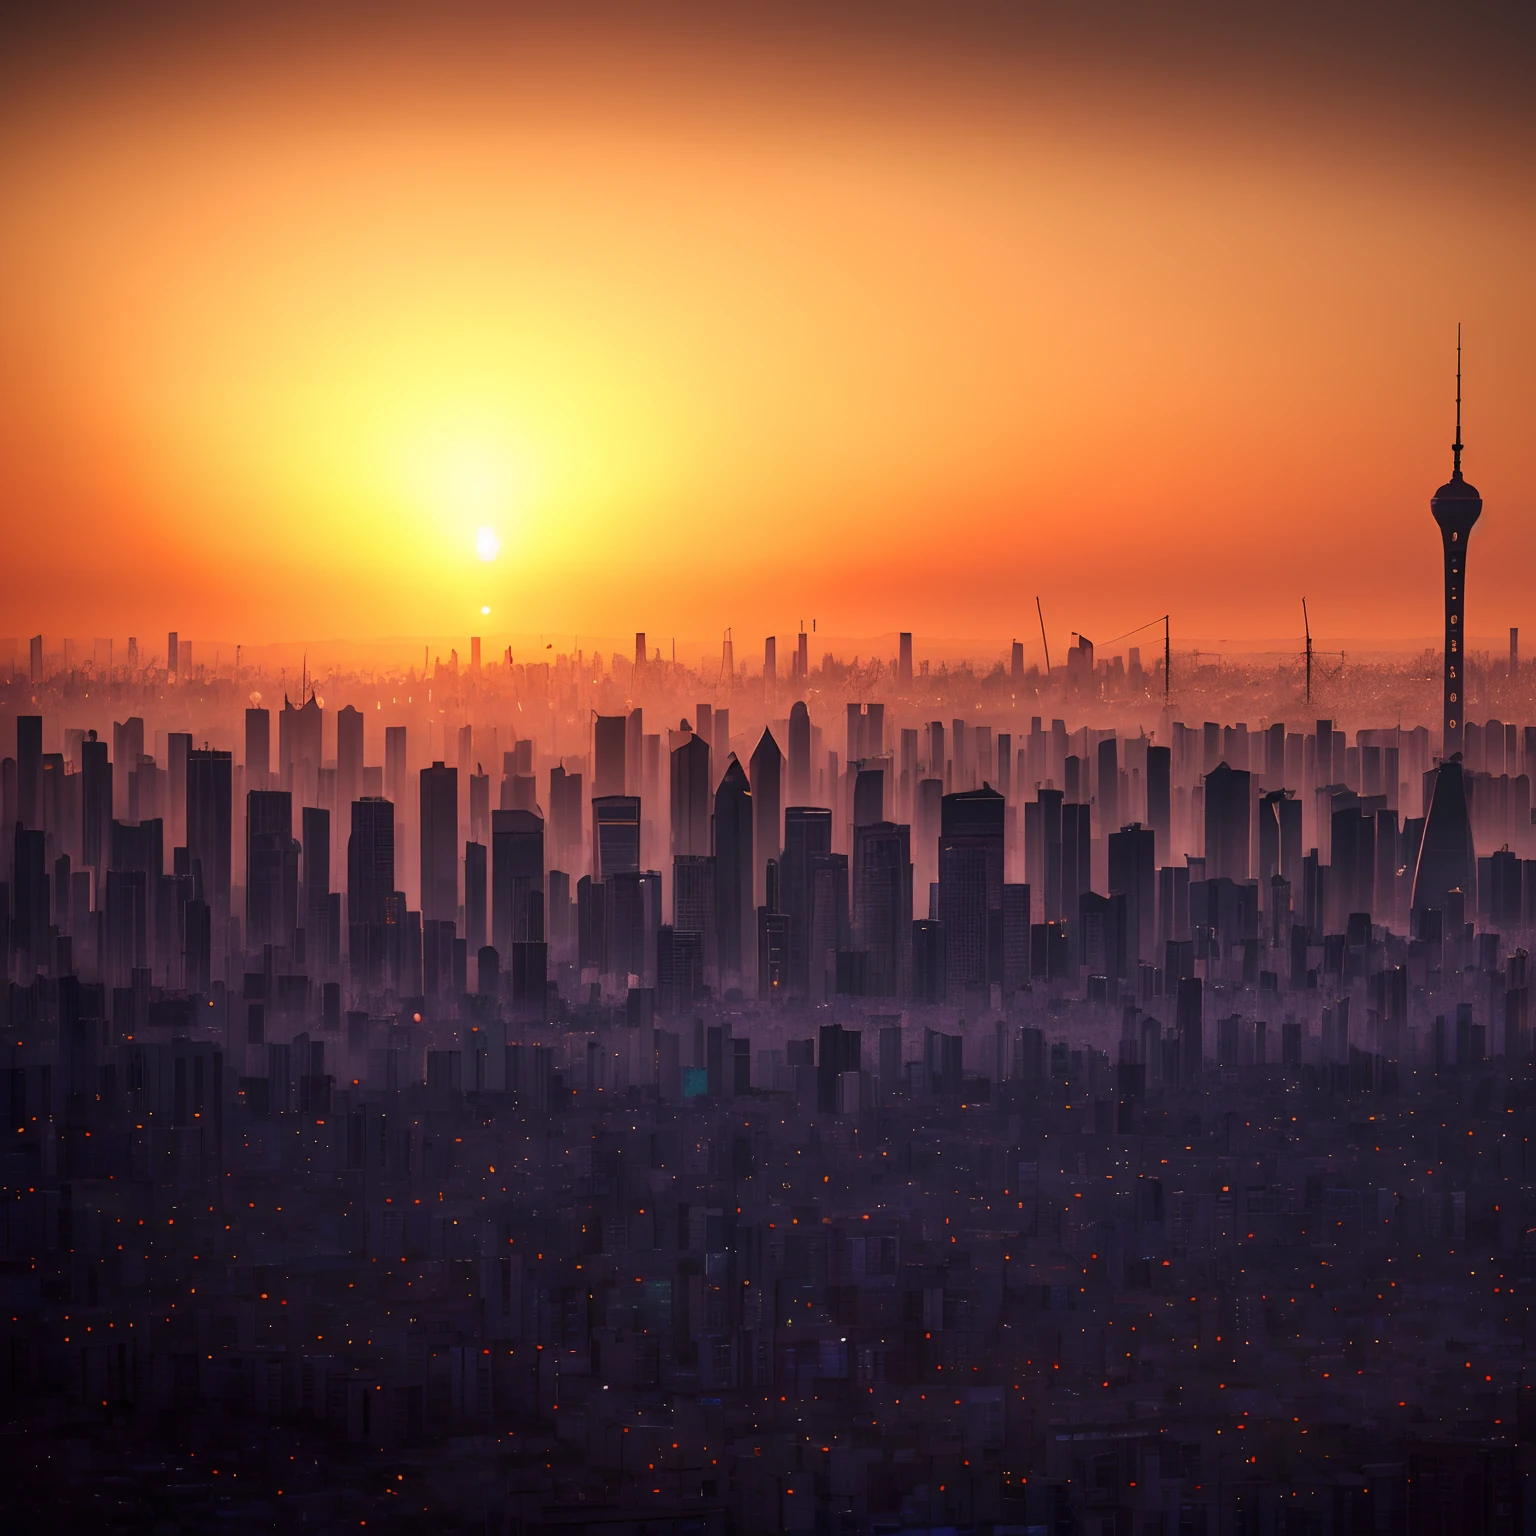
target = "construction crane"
x: 1164, y: 620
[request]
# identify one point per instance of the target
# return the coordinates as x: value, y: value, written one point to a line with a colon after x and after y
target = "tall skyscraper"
x: 209, y: 788
x: 799, y: 753
x: 95, y: 802
x: 349, y: 754
x: 1228, y: 823
x: 807, y: 833
x: 440, y: 844
x: 690, y: 797
x: 394, y: 763
x: 475, y: 931
x: 29, y: 769
x: 971, y: 836
x: 517, y: 879
x: 615, y: 835
x: 1133, y: 874
x: 371, y: 906
x: 370, y: 861
x: 271, y: 868
x: 609, y: 751
x: 767, y: 803
x: 733, y: 873
x: 258, y: 748
x: 298, y: 738
x: 693, y: 900
x: 882, y: 906
x: 315, y: 825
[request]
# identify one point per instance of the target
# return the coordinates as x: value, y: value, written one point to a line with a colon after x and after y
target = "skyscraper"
x: 807, y: 832
x: 258, y: 748
x: 29, y: 769
x: 690, y: 797
x: 799, y: 753
x: 315, y: 824
x: 440, y: 844
x: 517, y: 877
x: 1228, y: 823
x: 370, y: 861
x: 615, y: 835
x: 271, y: 868
x: 609, y: 751
x: 349, y: 754
x: 370, y: 886
x: 733, y: 871
x: 767, y: 801
x: 1133, y: 874
x: 970, y: 884
x: 209, y: 787
x: 882, y: 906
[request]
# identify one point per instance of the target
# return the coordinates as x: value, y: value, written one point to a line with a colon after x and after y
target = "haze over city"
x: 767, y: 772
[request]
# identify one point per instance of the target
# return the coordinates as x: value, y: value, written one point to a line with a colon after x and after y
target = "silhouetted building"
x: 322, y: 924
x: 963, y: 911
x: 209, y: 789
x: 840, y: 1052
x: 1228, y: 824
x: 882, y: 906
x: 349, y: 754
x: 476, y: 929
x: 767, y: 802
x: 1447, y: 856
x: 693, y: 900
x: 799, y: 753
x: 691, y: 797
x: 29, y: 769
x: 440, y: 844
x: 733, y: 871
x: 517, y: 878
x: 615, y: 835
x: 609, y: 753
x: 1133, y: 874
x: 807, y: 833
x: 370, y: 861
x: 271, y: 868
x: 258, y: 747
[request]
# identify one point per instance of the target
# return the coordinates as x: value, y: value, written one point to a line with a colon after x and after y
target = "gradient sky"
x: 886, y: 318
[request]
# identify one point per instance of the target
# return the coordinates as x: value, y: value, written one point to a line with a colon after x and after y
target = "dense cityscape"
x: 739, y: 789
x: 890, y: 1098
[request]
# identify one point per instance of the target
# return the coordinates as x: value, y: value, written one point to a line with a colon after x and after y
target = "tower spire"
x: 1456, y: 446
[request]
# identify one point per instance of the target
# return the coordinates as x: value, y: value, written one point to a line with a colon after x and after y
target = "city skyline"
x: 740, y: 792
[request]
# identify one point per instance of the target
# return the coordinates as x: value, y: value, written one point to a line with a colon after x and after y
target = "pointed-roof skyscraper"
x: 767, y: 807
x: 733, y: 873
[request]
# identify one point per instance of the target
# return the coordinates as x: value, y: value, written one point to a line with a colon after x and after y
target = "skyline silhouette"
x: 739, y: 791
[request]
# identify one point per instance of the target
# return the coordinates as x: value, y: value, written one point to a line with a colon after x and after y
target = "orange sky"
x: 893, y: 328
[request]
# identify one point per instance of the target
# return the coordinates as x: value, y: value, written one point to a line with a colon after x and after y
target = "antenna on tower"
x: 1456, y: 446
x: 1043, y: 641
x: 1306, y: 625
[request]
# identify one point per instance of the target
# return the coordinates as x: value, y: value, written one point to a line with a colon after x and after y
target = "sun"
x: 487, y: 544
